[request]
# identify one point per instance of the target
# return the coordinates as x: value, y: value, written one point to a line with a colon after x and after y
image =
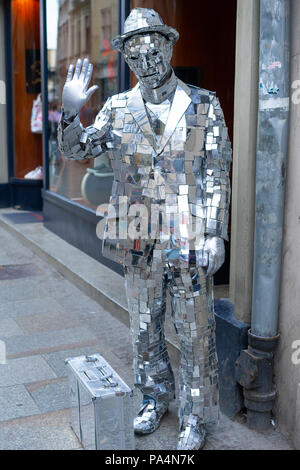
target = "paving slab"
x: 24, y: 370
x: 43, y: 432
x: 84, y: 305
x: 15, y: 308
x: 8, y: 327
x: 5, y: 259
x: 48, y: 322
x: 21, y: 289
x: 16, y: 402
x: 59, y: 288
x: 40, y: 341
x: 51, y: 397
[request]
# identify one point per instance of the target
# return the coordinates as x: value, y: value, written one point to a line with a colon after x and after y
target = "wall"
x: 244, y: 158
x: 287, y: 374
x: 3, y: 140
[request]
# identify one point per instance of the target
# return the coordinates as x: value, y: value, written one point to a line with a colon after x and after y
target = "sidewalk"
x: 44, y: 318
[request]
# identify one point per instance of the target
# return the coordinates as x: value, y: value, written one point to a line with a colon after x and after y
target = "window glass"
x: 78, y: 29
x: 26, y: 77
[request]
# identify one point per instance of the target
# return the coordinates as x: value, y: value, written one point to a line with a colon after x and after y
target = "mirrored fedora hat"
x: 142, y: 20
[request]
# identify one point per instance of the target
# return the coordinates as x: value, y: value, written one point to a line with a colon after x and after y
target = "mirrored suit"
x: 170, y: 158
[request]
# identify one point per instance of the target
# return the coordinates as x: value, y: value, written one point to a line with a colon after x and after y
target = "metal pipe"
x: 272, y: 143
x: 254, y: 368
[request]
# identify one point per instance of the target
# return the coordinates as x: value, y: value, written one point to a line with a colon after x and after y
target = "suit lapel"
x: 136, y: 106
x: 180, y: 104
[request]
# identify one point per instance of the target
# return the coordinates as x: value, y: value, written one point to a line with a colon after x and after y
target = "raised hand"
x: 75, y: 92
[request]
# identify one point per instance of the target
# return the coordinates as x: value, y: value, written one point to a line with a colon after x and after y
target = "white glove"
x: 214, y: 250
x: 75, y: 93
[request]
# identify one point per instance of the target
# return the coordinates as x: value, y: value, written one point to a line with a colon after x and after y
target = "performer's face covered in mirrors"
x: 148, y: 56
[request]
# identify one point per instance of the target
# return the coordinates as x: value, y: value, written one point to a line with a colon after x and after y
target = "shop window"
x: 85, y: 182
x: 26, y: 75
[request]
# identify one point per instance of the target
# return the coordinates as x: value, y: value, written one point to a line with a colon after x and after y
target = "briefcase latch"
x: 106, y: 378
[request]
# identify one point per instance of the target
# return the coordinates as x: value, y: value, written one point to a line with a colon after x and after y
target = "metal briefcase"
x: 101, y: 404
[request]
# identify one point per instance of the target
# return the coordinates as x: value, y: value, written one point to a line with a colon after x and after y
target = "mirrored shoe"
x: 149, y: 416
x: 192, y: 436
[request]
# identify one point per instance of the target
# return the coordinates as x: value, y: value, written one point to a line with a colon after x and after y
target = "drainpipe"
x: 254, y: 368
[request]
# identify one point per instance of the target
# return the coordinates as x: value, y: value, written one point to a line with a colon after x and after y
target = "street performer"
x: 170, y: 153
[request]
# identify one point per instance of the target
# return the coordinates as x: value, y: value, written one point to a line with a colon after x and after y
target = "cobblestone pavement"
x: 44, y: 318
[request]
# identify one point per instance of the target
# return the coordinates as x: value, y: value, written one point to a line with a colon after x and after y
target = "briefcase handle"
x: 105, y: 377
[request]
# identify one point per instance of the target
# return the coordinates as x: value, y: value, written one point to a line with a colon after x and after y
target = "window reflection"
x: 27, y: 104
x: 77, y: 28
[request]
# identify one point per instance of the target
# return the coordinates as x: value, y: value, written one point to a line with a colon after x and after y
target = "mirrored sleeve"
x: 217, y: 168
x: 78, y: 143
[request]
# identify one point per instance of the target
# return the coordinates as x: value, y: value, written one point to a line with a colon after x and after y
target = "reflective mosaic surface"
x: 170, y: 153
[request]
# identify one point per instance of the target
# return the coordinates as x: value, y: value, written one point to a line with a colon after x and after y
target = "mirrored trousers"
x: 193, y: 317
